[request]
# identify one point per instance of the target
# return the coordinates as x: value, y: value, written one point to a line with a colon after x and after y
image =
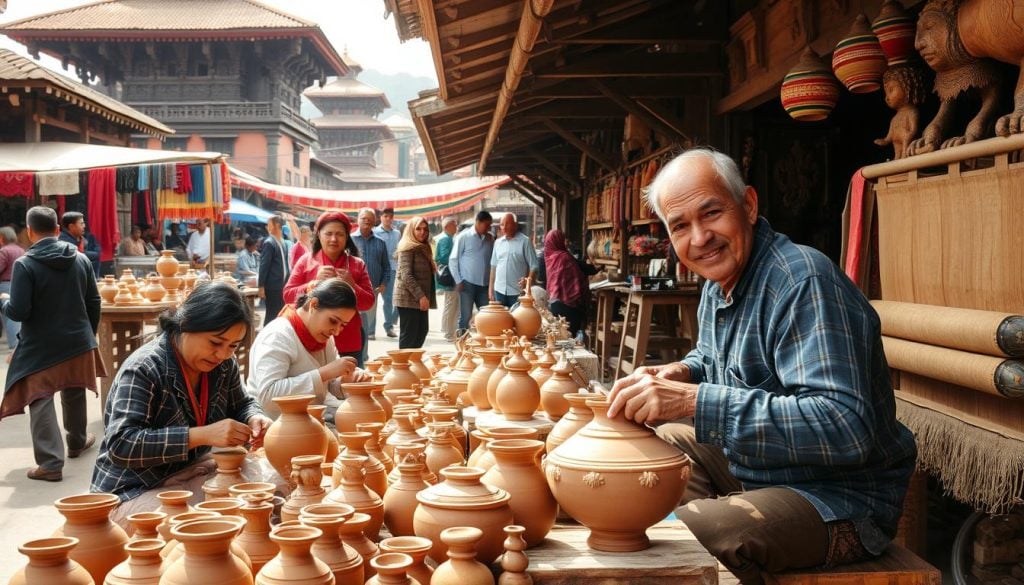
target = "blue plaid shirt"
x: 794, y: 386
x: 374, y: 252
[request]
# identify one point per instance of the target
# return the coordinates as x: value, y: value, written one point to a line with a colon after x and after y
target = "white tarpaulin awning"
x: 66, y: 156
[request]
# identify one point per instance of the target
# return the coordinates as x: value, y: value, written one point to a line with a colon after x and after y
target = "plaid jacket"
x: 795, y: 388
x: 147, y: 417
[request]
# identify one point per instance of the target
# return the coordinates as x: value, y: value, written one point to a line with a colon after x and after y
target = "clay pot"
x: 255, y: 536
x: 293, y: 433
x: 497, y: 375
x: 493, y: 319
x: 241, y: 490
x: 353, y: 491
x: 207, y: 552
x: 49, y: 562
x: 167, y: 264
x: 123, y: 296
x: 295, y: 565
x: 153, y: 291
x: 610, y: 461
x: 221, y: 506
x: 526, y: 316
x: 101, y: 542
x: 462, y: 500
x: 376, y: 476
x: 143, y: 525
x: 317, y: 411
x: 486, y: 459
x: 517, y: 472
x: 306, y: 475
x: 400, y: 500
x: 435, y: 363
x: 448, y: 415
x: 412, y: 451
x: 391, y: 570
x: 542, y: 370
x: 400, y: 375
x: 143, y: 567
x: 441, y: 452
x: 481, y: 439
x: 385, y: 363
x: 462, y: 566
x: 173, y: 550
x: 229, y: 472
x: 517, y: 393
x: 359, y: 406
x: 190, y: 278
x: 373, y: 444
x: 380, y: 398
x: 406, y: 431
x: 344, y: 562
x: 416, y: 548
x: 108, y: 289
x: 172, y: 503
x: 553, y: 391
x: 496, y: 342
x: 478, y: 379
x: 418, y: 367
x: 578, y: 416
x: 353, y: 533
x: 373, y: 367
x: 514, y: 562
x: 171, y: 284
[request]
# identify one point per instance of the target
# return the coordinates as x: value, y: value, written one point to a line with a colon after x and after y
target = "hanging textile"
x: 143, y: 182
x: 198, y: 193
x: 102, y: 210
x: 17, y: 184
x: 58, y: 182
x: 183, y: 179
x: 127, y: 179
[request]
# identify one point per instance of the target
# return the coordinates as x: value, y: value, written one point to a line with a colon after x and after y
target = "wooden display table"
x: 675, y: 557
x: 637, y: 330
x: 607, y: 339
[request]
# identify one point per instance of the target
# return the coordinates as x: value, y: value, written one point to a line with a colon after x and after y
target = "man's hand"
x: 646, y: 398
x: 325, y: 272
x: 258, y: 425
x: 223, y: 433
x: 675, y: 371
x: 359, y: 376
x: 459, y: 286
x: 380, y: 289
x: 262, y: 293
x: 424, y: 304
x: 490, y: 295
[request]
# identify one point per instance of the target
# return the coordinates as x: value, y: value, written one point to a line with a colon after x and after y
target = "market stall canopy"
x: 66, y: 156
x: 432, y: 200
x: 239, y: 210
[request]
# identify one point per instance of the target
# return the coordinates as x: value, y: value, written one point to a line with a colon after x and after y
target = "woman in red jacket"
x: 334, y: 254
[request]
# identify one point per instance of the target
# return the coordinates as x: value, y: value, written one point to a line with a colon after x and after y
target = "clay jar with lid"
x: 463, y: 500
x: 255, y: 536
x: 610, y: 461
x: 49, y: 563
x: 306, y: 476
x: 229, y: 472
x: 294, y: 433
x: 478, y: 380
x: 555, y: 388
x: 295, y: 565
x: 493, y: 319
x: 359, y: 407
x: 207, y: 552
x: 415, y: 547
x: 376, y: 476
x: 317, y: 411
x: 526, y: 316
x: 101, y: 542
x: 462, y: 566
x: 517, y: 393
x: 353, y: 491
x: 143, y: 567
x: 578, y: 416
x: 343, y: 560
x: 400, y: 375
x: 516, y: 471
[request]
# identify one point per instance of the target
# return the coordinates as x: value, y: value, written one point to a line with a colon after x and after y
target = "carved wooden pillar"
x: 273, y: 173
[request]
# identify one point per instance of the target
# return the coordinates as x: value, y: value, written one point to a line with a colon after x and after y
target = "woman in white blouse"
x: 293, y: 355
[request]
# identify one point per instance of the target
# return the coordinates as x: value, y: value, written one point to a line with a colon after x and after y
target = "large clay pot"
x: 462, y: 500
x: 143, y: 567
x: 373, y: 444
x: 295, y: 565
x: 552, y: 393
x: 353, y: 491
x: 255, y: 537
x: 415, y: 547
x: 462, y: 566
x: 610, y: 461
x: 358, y: 407
x: 167, y: 264
x: 143, y: 525
x: 306, y: 475
x: 400, y: 375
x: 517, y: 472
x: 493, y: 319
x: 293, y: 433
x: 517, y: 393
x: 207, y: 552
x: 376, y: 476
x: 344, y: 562
x: 101, y: 542
x: 353, y: 533
x: 441, y: 452
x: 49, y: 563
x: 400, y: 500
x: 418, y: 367
x: 578, y: 416
x: 391, y: 570
x: 477, y: 386
x: 229, y: 472
x: 317, y: 411
x: 108, y: 289
x: 526, y: 316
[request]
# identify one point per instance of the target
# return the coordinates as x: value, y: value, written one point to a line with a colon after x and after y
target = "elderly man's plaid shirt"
x: 148, y: 414
x: 795, y: 388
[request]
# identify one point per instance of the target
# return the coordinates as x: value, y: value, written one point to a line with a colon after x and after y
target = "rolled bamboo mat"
x: 992, y: 375
x: 985, y: 332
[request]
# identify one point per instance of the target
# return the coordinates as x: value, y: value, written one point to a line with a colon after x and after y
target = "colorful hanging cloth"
x: 102, y: 210
x: 183, y: 179
x: 14, y: 184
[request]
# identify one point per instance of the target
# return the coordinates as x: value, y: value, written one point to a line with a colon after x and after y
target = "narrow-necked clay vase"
x: 373, y: 444
x: 418, y: 367
x: 497, y: 376
x: 167, y: 264
x: 353, y: 491
x: 486, y: 459
x: 441, y: 452
x: 517, y: 393
x: 229, y: 472
x: 143, y: 567
x: 295, y: 564
x: 405, y: 431
x: 359, y: 407
x: 526, y: 316
x: 255, y: 537
x: 380, y: 398
x: 317, y: 411
x: 516, y: 471
x: 462, y: 500
x: 376, y: 475
x: 462, y: 566
x: 391, y: 570
x: 480, y: 438
x: 481, y: 374
x: 542, y: 367
x: 493, y: 319
x: 294, y: 433
x: 578, y: 416
x: 552, y: 393
x: 400, y: 500
x: 514, y: 562
x: 353, y: 533
x: 400, y: 375
x: 207, y: 556
x: 306, y: 475
x: 101, y: 542
x: 143, y: 525
x: 415, y: 547
x: 412, y: 451
x: 172, y: 503
x: 49, y: 563
x: 343, y: 560
x: 610, y: 461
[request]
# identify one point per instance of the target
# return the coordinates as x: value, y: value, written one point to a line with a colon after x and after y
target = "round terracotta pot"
x: 450, y: 415
x: 441, y: 452
x: 359, y: 407
x: 101, y: 542
x: 223, y: 506
x: 462, y: 500
x: 306, y: 476
x: 391, y: 570
x: 418, y: 367
x: 541, y: 373
x: 167, y: 264
x: 578, y: 416
x: 478, y: 380
x: 293, y: 433
x: 229, y: 472
x: 462, y: 566
x: 190, y: 279
x: 497, y: 375
x: 143, y: 567
x: 353, y: 491
x: 49, y: 562
x: 415, y: 547
x: 172, y: 503
x: 376, y: 476
x: 400, y: 500
x: 153, y: 291
x: 412, y: 451
x: 108, y: 289
x: 123, y: 296
x: 486, y: 459
x: 207, y: 557
x: 317, y: 411
x: 493, y: 319
x: 343, y: 560
x: 353, y: 533
x: 373, y: 445
x: 515, y: 562
x: 173, y: 550
x: 517, y: 393
x: 143, y: 525
x: 527, y: 317
x: 400, y: 375
x: 517, y: 472
x: 610, y: 461
x: 555, y: 388
x: 255, y: 536
x: 296, y: 565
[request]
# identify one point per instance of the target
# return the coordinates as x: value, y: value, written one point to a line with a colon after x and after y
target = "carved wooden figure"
x: 904, y: 91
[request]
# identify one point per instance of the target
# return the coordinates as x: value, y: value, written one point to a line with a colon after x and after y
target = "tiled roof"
x: 20, y: 71
x: 345, y: 87
x: 348, y: 121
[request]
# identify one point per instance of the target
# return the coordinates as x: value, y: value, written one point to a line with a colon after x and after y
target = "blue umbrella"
x: 239, y: 210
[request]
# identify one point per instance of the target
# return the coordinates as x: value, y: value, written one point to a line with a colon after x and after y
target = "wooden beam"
x: 552, y: 167
x: 633, y: 108
x: 666, y: 117
x: 637, y: 64
x: 533, y: 197
x: 537, y: 186
x: 656, y: 87
x: 575, y: 109
x: 595, y: 154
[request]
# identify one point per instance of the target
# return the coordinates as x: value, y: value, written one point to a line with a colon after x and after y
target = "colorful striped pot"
x: 858, y: 60
x: 895, y: 30
x: 809, y: 90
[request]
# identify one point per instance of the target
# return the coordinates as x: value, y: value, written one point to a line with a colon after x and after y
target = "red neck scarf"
x: 201, y: 404
x: 344, y: 258
x: 307, y: 339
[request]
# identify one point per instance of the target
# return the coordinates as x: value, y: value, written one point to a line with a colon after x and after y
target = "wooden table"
x: 637, y: 327
x: 606, y: 339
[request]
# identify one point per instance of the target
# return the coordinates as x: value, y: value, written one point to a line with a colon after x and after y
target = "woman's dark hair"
x: 333, y: 293
x: 213, y: 307
x: 250, y: 241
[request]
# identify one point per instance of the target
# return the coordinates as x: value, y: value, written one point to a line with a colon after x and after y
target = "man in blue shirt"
x: 512, y: 262
x: 374, y: 253
x: 470, y: 264
x: 391, y: 234
x: 798, y: 459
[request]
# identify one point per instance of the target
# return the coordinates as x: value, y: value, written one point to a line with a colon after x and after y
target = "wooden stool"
x: 640, y: 309
x: 896, y: 566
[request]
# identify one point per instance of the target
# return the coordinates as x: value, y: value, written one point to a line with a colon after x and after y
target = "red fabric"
x: 307, y: 339
x: 184, y: 175
x: 329, y: 216
x: 298, y: 251
x: 856, y: 235
x: 564, y: 275
x: 350, y: 339
x: 61, y: 208
x: 101, y: 209
x: 17, y: 184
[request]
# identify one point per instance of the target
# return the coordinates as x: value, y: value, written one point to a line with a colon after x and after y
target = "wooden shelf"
x: 606, y: 261
x: 647, y: 221
x: 601, y: 226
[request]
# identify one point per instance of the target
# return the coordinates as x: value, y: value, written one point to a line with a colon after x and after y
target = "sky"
x: 357, y: 25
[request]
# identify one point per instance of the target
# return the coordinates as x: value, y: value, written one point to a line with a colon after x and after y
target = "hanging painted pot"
x: 810, y: 90
x: 858, y: 60
x: 895, y: 30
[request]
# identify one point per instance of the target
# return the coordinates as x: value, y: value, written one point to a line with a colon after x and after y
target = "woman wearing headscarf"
x: 414, y: 284
x: 565, y: 281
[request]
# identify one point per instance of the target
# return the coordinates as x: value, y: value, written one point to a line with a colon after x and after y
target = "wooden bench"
x: 896, y: 566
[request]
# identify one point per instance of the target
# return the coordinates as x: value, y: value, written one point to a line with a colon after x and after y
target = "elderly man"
x: 374, y: 252
x: 512, y: 261
x: 470, y: 263
x: 442, y: 256
x: 199, y: 244
x: 794, y: 425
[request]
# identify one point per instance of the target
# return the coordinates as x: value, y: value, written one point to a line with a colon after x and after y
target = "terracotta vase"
x: 405, y: 431
x: 190, y: 278
x: 359, y: 407
x: 481, y: 440
x: 171, y: 284
x: 435, y: 363
x: 241, y: 490
x: 167, y: 264
x: 222, y: 506
x: 541, y: 371
x: 552, y: 393
x: 49, y: 563
x: 375, y: 475
x: 462, y: 566
x: 517, y: 393
x: 101, y: 542
x: 293, y: 433
x: 858, y: 60
x: 400, y: 375
x: 153, y: 291
x: 123, y: 296
x: 497, y: 376
x: 108, y: 289
x: 295, y: 564
x: 415, y: 547
x: 486, y: 459
x: 391, y: 570
x: 610, y: 461
x: 380, y: 398
x: 229, y: 472
x: 810, y: 90
x: 449, y: 415
x: 462, y: 500
x: 578, y: 416
x: 173, y: 550
x: 373, y: 444
x: 412, y: 451
x: 526, y: 316
x: 353, y: 533
x: 207, y: 552
x: 317, y: 411
x: 477, y: 387
x: 306, y: 476
x: 400, y: 500
x: 514, y: 562
x: 343, y: 560
x: 493, y: 319
x: 143, y: 567
x: 143, y: 525
x: 441, y: 452
x: 255, y: 536
x: 385, y: 364
x: 373, y: 367
x: 517, y: 472
x: 418, y: 367
x: 353, y: 491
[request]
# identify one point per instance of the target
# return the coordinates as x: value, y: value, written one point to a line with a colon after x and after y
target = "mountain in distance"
x: 399, y: 87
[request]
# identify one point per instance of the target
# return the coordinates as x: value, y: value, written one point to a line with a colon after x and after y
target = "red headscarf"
x: 565, y: 279
x: 324, y: 219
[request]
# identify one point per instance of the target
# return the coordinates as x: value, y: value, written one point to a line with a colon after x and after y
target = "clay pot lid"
x: 406, y: 544
x: 463, y: 490
x: 92, y: 501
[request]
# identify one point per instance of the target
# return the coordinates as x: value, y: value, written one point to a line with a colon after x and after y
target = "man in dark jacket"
x: 72, y: 231
x: 54, y: 295
x: 274, y: 269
